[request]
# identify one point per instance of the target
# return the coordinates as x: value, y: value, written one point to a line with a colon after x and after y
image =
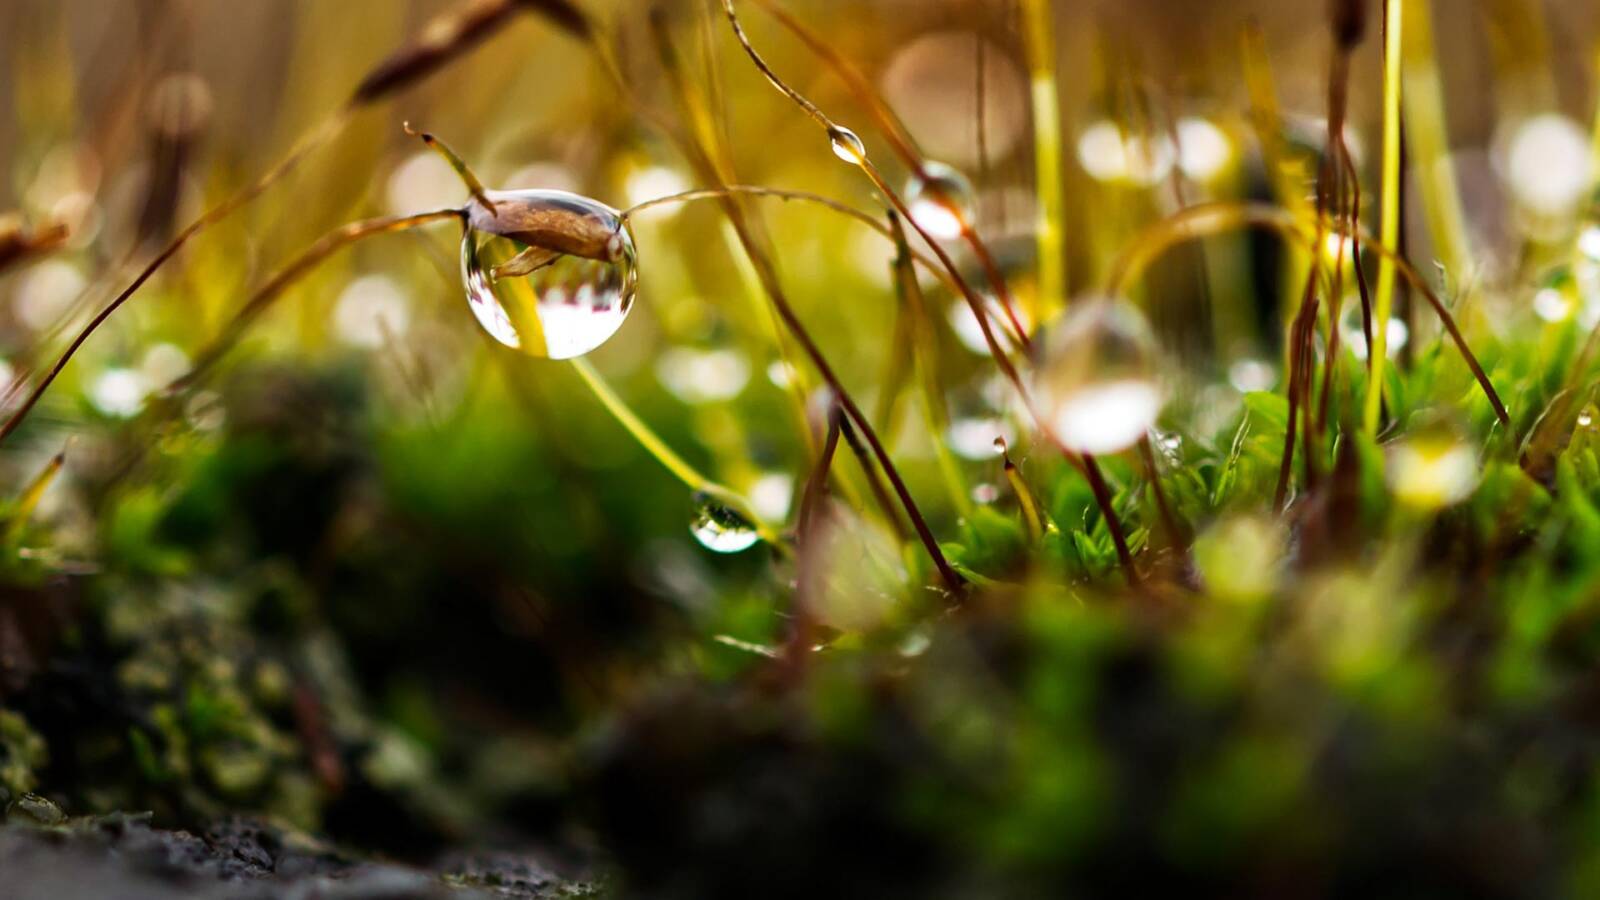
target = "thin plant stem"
x: 269, y: 292
x: 445, y: 39
x: 1169, y: 519
x: 905, y: 147
x: 925, y: 359
x: 1427, y: 133
x: 1208, y: 219
x: 1019, y: 487
x: 217, y: 213
x: 801, y: 625
x: 1039, y: 41
x: 1083, y: 462
x: 1388, y: 209
x: 768, y: 275
x: 664, y: 454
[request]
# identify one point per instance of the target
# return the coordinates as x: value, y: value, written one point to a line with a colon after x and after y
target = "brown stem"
x: 801, y: 625
x: 900, y: 141
x: 1169, y: 520
x: 285, y: 277
x: 768, y: 276
x: 1212, y: 218
x: 1102, y: 498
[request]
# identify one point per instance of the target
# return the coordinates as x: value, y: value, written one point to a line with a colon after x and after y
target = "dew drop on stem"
x: 940, y: 200
x: 549, y: 273
x: 719, y: 528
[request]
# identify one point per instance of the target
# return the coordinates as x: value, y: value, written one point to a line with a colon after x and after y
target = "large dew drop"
x: 548, y: 272
x: 940, y: 200
x: 719, y: 528
x: 1095, y: 379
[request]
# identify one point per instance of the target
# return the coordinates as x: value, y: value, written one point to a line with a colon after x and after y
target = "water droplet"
x: 976, y: 438
x: 719, y: 528
x: 1000, y: 445
x: 1095, y: 379
x: 940, y: 200
x: 1587, y: 417
x: 1353, y: 337
x: 985, y: 493
x: 847, y: 145
x: 1432, y: 467
x: 547, y: 272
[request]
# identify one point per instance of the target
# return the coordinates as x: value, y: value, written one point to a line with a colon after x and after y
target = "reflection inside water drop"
x: 940, y: 200
x: 553, y: 277
x: 719, y: 528
x: 847, y: 144
x: 1096, y: 377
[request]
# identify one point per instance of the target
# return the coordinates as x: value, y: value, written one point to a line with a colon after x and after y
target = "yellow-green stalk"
x: 656, y: 447
x: 1429, y: 138
x: 1038, y: 33
x: 1388, y: 208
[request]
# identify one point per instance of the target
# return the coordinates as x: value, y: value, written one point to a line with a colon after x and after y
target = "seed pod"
x: 454, y: 32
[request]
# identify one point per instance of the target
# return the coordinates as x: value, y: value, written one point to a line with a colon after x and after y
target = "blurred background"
x: 379, y: 570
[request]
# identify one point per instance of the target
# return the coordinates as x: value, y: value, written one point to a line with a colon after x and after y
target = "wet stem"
x: 656, y: 447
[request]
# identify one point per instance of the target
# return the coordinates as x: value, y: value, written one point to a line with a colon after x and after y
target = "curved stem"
x: 286, y: 277
x: 905, y: 147
x: 1388, y: 208
x: 933, y: 268
x: 310, y: 142
x: 1217, y: 218
x: 766, y: 272
x: 658, y: 448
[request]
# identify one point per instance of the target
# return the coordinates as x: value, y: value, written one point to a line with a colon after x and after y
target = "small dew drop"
x: 976, y: 438
x: 1095, y: 378
x: 549, y: 273
x: 985, y: 493
x: 1431, y: 468
x: 1586, y: 418
x: 720, y: 529
x: 940, y: 200
x: 847, y: 145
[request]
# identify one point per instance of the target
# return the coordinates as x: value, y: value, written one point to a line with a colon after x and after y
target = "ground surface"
x: 124, y: 858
